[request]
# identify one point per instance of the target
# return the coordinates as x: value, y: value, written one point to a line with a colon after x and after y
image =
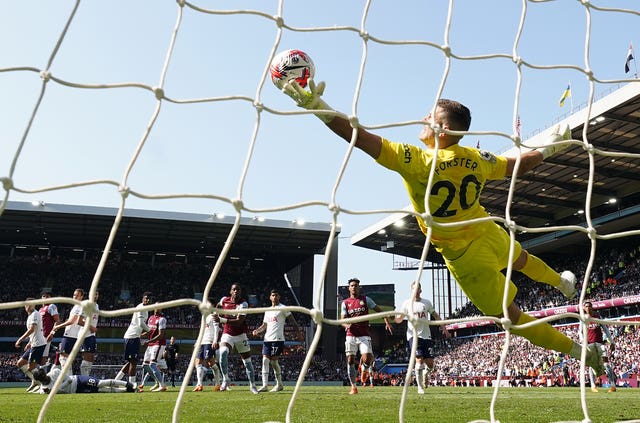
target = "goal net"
x: 131, y: 103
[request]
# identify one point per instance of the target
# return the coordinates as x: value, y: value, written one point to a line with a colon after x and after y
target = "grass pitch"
x: 319, y: 404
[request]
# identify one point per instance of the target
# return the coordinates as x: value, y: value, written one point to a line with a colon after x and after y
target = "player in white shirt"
x: 89, y: 345
x: 422, y: 310
x: 273, y: 325
x: 207, y: 357
x: 137, y: 329
x: 72, y: 327
x: 79, y: 384
x: 35, y: 346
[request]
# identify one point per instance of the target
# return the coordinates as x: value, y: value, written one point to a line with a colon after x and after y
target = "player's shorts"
x: 131, y: 349
x: 162, y: 364
x: 89, y: 345
x: 47, y: 348
x: 478, y: 268
x: 424, y: 349
x: 153, y: 353
x: 34, y: 354
x: 354, y: 343
x: 171, y: 364
x: 239, y: 342
x: 86, y: 384
x: 272, y: 348
x: 66, y: 345
x: 207, y: 352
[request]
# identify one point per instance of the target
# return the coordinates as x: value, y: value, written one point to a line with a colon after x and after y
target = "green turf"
x: 327, y: 404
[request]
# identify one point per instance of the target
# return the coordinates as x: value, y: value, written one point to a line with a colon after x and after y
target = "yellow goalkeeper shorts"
x: 478, y: 269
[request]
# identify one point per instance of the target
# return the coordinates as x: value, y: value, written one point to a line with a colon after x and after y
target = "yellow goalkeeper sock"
x: 543, y: 335
x: 539, y: 271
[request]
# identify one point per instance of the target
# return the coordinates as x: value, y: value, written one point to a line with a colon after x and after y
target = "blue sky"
x: 92, y: 134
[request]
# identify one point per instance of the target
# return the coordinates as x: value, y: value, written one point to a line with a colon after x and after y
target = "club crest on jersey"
x: 361, y: 302
x: 486, y: 155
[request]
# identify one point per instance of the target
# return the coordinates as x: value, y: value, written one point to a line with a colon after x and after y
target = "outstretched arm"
x: 531, y: 159
x: 528, y: 161
x: 312, y: 100
x: 366, y: 141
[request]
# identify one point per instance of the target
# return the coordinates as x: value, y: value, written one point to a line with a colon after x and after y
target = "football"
x: 291, y: 64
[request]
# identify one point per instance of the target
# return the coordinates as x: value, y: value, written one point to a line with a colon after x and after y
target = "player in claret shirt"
x: 50, y: 317
x: 359, y: 333
x: 234, y: 334
x: 597, y: 334
x: 155, y: 349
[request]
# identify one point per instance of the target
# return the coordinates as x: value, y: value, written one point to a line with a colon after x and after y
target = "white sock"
x: 157, y: 374
x: 27, y: 372
x: 120, y: 375
x: 217, y: 376
x: 199, y: 374
x: 85, y: 367
x: 351, y: 373
x: 63, y: 360
x: 277, y: 371
x: 265, y: 371
x: 248, y: 366
x: 592, y: 377
x: 420, y: 375
x: 224, y: 363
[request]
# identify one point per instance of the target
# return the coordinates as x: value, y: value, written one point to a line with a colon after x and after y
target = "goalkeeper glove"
x: 557, y: 136
x: 310, y: 100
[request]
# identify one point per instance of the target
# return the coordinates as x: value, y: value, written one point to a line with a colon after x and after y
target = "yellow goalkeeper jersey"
x: 460, y: 175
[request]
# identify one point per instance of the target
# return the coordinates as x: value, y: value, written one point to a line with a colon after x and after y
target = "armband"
x: 223, y: 320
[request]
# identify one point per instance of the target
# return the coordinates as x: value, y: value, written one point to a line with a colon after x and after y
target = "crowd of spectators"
x: 123, y: 282
x: 478, y: 358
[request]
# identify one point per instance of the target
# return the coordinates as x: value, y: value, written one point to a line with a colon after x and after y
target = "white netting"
x: 425, y: 34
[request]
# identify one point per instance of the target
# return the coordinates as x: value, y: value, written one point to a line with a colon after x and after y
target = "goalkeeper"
x: 475, y: 254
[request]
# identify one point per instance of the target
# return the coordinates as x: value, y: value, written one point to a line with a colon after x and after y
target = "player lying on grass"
x: 79, y: 384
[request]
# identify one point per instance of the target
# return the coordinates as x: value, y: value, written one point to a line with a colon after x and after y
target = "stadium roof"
x: 58, y: 226
x: 555, y: 192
